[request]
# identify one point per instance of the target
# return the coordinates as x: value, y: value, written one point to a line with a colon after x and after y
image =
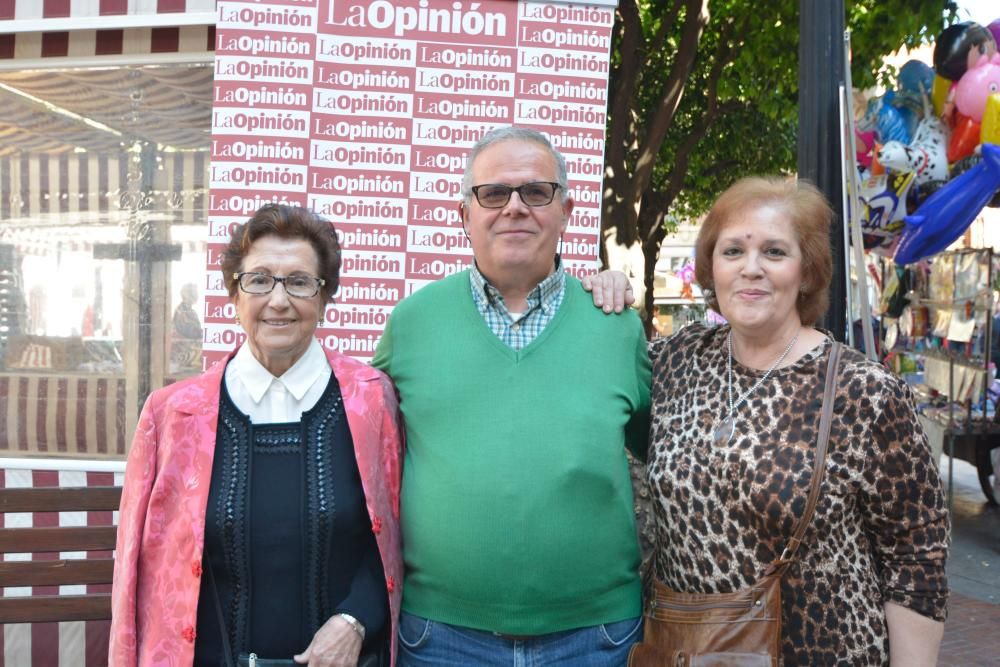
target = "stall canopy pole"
x: 821, y: 70
x: 852, y: 208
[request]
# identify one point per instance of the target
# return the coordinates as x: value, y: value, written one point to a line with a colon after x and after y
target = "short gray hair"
x: 511, y: 133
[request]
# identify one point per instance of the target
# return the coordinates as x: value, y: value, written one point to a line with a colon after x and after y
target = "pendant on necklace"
x: 723, y: 432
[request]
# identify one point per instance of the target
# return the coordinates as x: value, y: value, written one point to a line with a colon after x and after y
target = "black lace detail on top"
x: 320, y: 508
x: 230, y: 500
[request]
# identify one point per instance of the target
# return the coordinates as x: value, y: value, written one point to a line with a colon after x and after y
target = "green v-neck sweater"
x: 517, y: 509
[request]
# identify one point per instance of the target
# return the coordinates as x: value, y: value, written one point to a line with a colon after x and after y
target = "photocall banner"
x: 364, y: 111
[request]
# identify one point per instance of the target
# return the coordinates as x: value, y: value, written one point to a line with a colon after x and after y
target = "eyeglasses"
x: 496, y: 195
x: 301, y: 286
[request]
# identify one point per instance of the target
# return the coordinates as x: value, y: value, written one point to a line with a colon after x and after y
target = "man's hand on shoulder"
x: 610, y: 290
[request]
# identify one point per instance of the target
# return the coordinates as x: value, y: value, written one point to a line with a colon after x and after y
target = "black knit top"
x: 287, y: 534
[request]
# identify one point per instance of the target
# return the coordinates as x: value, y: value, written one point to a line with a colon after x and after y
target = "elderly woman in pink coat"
x: 259, y: 519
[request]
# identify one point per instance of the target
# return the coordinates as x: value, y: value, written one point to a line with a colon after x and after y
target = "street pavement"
x: 972, y: 631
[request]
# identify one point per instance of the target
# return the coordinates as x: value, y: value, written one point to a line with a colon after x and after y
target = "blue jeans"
x: 425, y: 642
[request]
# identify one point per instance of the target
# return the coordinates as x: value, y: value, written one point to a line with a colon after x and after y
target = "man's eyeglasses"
x: 496, y: 195
x: 301, y: 286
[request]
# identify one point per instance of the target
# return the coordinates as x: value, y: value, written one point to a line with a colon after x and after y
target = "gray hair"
x: 511, y: 133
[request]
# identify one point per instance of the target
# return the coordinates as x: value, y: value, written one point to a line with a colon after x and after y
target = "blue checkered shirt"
x: 543, y: 302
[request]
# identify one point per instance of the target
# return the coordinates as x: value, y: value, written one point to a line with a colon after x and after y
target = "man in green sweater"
x: 519, y: 398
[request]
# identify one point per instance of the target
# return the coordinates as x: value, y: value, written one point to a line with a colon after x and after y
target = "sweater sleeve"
x: 903, y: 505
x: 367, y: 599
x: 637, y: 429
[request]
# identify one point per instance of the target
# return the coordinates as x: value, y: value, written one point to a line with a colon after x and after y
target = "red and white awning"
x: 82, y: 29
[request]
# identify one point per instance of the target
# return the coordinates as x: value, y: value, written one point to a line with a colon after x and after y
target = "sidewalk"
x: 972, y: 631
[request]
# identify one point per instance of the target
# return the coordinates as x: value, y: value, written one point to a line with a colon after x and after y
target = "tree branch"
x: 656, y: 44
x: 620, y: 109
x: 726, y: 52
x: 695, y: 20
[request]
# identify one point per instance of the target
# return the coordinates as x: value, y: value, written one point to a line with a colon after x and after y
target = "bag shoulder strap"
x: 819, y: 466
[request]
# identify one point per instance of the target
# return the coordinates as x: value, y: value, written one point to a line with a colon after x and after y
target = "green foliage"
x: 747, y: 122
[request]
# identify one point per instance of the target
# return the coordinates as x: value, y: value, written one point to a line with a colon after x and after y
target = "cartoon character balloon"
x: 959, y: 47
x: 926, y: 156
x: 978, y: 83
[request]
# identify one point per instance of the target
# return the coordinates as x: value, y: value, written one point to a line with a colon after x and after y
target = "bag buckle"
x: 252, y: 660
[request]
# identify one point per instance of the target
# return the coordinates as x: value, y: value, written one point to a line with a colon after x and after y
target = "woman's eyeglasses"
x: 301, y: 286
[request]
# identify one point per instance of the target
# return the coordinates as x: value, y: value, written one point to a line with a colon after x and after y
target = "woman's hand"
x: 610, y: 290
x: 336, y: 644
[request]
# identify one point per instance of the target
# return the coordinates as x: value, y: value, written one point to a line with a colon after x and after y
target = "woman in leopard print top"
x: 726, y: 497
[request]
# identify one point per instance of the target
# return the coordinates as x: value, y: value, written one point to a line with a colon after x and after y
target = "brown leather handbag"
x: 739, y: 629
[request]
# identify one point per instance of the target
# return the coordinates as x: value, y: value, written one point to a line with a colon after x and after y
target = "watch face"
x: 891, y: 334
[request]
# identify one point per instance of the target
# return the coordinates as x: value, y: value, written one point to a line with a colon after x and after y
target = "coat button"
x: 188, y: 634
x: 376, y: 525
x: 196, y: 568
x: 390, y: 583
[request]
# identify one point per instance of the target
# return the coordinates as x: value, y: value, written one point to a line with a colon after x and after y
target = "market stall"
x: 927, y: 175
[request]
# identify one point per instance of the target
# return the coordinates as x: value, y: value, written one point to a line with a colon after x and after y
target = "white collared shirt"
x: 270, y: 400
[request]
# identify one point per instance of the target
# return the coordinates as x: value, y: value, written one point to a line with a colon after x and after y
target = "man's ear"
x: 567, y: 207
x: 461, y: 214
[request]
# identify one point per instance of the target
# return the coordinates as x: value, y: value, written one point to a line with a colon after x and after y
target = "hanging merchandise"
x: 948, y: 212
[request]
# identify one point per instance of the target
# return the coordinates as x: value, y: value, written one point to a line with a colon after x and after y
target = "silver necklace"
x: 724, y: 431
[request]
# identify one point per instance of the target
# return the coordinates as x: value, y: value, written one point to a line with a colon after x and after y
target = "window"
x: 103, y: 198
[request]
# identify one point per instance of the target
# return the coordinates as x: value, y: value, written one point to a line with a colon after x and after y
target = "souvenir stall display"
x: 939, y: 333
x: 926, y: 163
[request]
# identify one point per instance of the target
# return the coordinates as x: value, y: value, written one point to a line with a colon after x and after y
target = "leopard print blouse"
x: 722, y: 513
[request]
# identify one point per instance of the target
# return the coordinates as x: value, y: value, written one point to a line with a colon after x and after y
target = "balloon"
x: 890, y: 125
x: 865, y: 143
x: 994, y: 28
x: 884, y: 201
x: 926, y: 156
x: 964, y: 165
x: 916, y: 77
x: 978, y: 83
x: 920, y: 193
x: 959, y: 46
x: 877, y: 169
x: 948, y: 212
x: 964, y: 139
x: 990, y: 131
x: 939, y: 93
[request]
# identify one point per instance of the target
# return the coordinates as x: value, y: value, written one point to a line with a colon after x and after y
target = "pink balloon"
x: 977, y: 84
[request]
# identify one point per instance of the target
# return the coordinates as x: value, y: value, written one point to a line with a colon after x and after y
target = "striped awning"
x: 40, y: 33
x: 168, y: 105
x: 57, y: 15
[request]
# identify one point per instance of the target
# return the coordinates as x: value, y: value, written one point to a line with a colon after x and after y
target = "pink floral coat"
x: 161, y: 525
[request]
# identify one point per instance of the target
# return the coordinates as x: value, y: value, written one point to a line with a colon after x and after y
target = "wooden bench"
x: 49, y: 608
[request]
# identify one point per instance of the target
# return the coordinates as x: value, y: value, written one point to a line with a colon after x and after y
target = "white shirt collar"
x: 297, y: 380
